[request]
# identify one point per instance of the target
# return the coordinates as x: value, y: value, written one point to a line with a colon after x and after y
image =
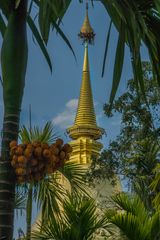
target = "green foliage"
x: 135, y: 151
x: 155, y: 186
x: 133, y: 219
x: 141, y: 22
x: 50, y: 191
x: 78, y: 221
x: 45, y: 134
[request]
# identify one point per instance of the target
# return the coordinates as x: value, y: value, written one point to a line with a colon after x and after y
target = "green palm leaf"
x: 78, y: 221
x: 75, y: 174
x: 39, y: 40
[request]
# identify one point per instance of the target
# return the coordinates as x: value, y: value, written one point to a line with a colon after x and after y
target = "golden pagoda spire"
x: 85, y: 122
x: 85, y: 113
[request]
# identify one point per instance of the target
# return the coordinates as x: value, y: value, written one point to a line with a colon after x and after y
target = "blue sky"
x: 54, y: 97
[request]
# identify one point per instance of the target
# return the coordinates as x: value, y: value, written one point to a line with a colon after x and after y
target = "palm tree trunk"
x: 29, y: 212
x: 14, y: 61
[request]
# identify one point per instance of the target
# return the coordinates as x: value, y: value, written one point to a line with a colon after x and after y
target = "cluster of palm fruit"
x: 32, y: 161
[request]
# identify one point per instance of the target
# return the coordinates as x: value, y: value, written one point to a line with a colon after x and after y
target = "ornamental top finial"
x: 87, y: 33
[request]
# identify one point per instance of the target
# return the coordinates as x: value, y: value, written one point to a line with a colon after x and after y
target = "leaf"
x: 2, y: 26
x: 17, y: 3
x: 64, y: 38
x: 106, y: 48
x: 44, y: 19
x: 118, y: 63
x: 39, y: 40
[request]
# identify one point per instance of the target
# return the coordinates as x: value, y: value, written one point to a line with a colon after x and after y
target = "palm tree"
x: 14, y: 62
x: 78, y: 221
x: 133, y: 219
x: 50, y: 191
x: 136, y: 21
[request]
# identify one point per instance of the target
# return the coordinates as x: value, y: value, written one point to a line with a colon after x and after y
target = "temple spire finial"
x: 87, y: 33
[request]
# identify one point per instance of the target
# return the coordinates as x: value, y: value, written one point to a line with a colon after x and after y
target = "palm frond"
x: 20, y: 203
x: 75, y: 173
x: 78, y: 221
x: 141, y: 22
x: 45, y: 134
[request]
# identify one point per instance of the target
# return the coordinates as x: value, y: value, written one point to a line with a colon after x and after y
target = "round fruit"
x: 38, y: 152
x: 53, y: 158
x: 62, y: 155
x: 67, y: 148
x: 28, y: 152
x: 45, y: 146
x: 13, y: 144
x: 46, y: 153
x: 19, y: 150
x: 55, y: 151
x: 22, y: 159
x: 29, y: 146
x: 20, y: 171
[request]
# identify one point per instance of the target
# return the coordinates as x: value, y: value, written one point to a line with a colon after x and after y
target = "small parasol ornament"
x: 87, y: 33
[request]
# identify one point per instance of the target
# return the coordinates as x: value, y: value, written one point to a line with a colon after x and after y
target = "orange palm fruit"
x: 14, y: 158
x: 20, y: 171
x: 28, y: 152
x: 13, y: 143
x: 45, y: 145
x: 19, y: 150
x: 38, y: 152
x: 30, y: 147
x: 46, y: 153
x: 62, y: 155
x: 53, y: 145
x: 57, y: 159
x: 53, y: 158
x: 22, y: 159
x: 67, y: 148
x: 55, y: 151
